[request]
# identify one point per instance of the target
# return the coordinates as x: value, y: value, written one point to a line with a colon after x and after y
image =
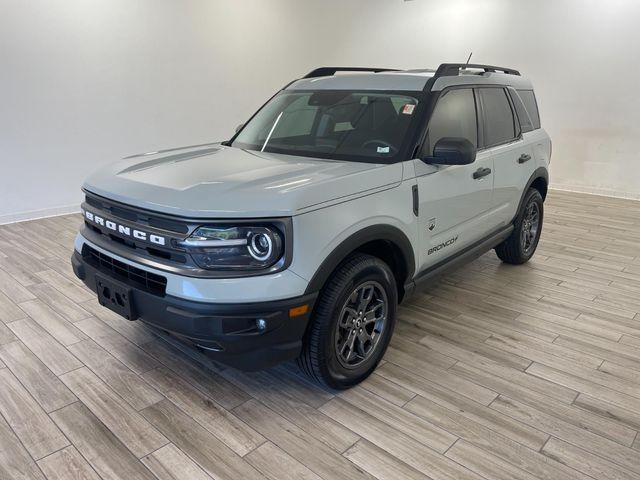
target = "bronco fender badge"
x: 449, y: 242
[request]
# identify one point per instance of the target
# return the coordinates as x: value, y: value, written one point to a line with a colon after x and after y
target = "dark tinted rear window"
x: 523, y: 116
x: 529, y: 100
x: 499, y: 125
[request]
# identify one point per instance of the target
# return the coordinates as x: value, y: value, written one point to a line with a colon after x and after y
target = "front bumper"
x: 227, y: 332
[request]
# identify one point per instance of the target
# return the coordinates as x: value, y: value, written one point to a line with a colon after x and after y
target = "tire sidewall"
x: 532, y: 196
x: 340, y: 376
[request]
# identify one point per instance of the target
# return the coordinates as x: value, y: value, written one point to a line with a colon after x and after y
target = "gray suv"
x: 298, y: 237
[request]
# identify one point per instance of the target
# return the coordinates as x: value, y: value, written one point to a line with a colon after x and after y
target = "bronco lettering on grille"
x: 123, y: 229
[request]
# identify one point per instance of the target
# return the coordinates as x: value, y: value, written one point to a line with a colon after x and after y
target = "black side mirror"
x: 452, y: 151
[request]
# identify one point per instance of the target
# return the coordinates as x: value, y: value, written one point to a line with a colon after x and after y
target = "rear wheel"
x: 523, y: 241
x: 352, y: 323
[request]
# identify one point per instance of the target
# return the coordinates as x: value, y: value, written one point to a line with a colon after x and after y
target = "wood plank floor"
x: 499, y: 372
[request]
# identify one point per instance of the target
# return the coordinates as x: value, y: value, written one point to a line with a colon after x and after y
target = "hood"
x: 215, y: 181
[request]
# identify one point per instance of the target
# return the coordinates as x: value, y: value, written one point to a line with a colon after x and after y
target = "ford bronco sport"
x: 299, y: 236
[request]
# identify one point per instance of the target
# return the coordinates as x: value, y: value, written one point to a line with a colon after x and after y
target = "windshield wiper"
x: 275, y: 124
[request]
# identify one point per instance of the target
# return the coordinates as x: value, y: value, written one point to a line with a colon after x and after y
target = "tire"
x: 348, y: 288
x: 520, y: 246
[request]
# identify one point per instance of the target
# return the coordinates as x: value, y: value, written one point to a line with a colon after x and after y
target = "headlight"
x: 235, y: 248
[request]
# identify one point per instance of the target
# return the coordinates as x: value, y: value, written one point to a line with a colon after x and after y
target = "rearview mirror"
x: 452, y: 151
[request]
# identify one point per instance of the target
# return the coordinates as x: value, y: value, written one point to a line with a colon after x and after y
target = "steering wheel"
x: 392, y: 150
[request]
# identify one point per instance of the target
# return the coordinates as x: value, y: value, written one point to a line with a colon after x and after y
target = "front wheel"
x: 352, y: 323
x: 523, y: 241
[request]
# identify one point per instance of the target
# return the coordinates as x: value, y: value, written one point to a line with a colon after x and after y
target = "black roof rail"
x: 453, y: 69
x: 329, y: 71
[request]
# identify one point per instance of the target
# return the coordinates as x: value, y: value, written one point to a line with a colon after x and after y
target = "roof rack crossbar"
x: 453, y: 69
x: 329, y: 71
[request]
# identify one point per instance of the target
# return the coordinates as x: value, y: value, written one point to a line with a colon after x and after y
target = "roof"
x: 345, y: 78
x: 363, y: 81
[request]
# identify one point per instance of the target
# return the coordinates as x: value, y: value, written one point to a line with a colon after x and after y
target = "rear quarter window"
x: 530, y: 103
x: 523, y: 116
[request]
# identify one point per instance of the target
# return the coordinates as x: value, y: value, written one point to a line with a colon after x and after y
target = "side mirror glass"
x: 452, y: 151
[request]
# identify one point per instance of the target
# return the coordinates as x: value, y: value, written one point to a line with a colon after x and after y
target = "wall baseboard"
x: 603, y: 192
x: 35, y: 214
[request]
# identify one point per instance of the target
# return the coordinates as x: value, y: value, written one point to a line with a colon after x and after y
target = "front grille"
x: 170, y: 229
x: 141, y: 279
x: 131, y: 214
x: 141, y: 248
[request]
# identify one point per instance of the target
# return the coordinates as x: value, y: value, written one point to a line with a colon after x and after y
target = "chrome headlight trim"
x: 204, y: 242
x: 236, y: 247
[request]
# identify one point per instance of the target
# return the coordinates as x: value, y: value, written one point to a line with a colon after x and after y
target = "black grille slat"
x: 124, y: 214
x: 136, y: 277
x: 93, y: 202
x: 168, y: 225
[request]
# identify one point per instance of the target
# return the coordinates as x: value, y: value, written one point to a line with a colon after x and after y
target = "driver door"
x: 455, y: 200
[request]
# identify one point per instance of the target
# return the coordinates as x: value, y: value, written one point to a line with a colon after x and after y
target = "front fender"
x: 324, y: 237
x: 358, y: 239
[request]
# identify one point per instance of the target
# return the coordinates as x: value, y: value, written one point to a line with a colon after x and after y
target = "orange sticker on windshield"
x: 408, y: 109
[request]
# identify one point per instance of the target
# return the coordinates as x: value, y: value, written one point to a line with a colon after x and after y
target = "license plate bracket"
x: 116, y: 296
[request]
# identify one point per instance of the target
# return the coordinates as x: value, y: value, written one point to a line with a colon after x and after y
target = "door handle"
x: 524, y: 158
x: 481, y: 172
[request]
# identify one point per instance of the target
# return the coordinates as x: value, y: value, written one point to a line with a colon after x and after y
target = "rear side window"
x: 499, y: 124
x: 530, y: 103
x: 454, y: 116
x: 523, y: 116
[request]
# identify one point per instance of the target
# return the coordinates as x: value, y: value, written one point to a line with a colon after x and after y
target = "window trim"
x: 514, y: 118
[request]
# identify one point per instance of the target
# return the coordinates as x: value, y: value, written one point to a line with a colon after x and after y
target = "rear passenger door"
x: 503, y: 140
x: 527, y: 110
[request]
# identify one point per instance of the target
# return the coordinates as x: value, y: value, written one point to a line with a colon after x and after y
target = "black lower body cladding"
x: 250, y: 336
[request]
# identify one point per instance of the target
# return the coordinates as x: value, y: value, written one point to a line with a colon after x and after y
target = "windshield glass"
x: 342, y: 125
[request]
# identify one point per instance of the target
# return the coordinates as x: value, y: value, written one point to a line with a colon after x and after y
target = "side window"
x: 523, y: 116
x: 454, y: 116
x: 499, y: 124
x: 529, y: 100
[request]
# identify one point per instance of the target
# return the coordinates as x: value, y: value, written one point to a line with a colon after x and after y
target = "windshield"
x: 342, y: 125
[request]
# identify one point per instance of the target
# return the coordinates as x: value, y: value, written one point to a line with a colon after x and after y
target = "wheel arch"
x: 386, y: 242
x: 539, y: 180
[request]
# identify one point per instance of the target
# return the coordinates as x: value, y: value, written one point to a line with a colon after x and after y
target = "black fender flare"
x: 540, y: 172
x: 383, y: 232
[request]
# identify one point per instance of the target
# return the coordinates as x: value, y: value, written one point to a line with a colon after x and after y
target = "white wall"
x: 582, y: 55
x: 84, y: 82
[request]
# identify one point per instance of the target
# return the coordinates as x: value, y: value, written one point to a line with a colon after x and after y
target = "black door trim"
x: 430, y: 275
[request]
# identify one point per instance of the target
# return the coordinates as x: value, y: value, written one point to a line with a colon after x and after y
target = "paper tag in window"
x: 383, y: 149
x: 408, y: 109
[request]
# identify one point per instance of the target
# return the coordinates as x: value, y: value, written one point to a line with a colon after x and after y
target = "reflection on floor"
x: 500, y: 372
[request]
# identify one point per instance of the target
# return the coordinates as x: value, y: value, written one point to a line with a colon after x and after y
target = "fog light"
x: 261, y: 324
